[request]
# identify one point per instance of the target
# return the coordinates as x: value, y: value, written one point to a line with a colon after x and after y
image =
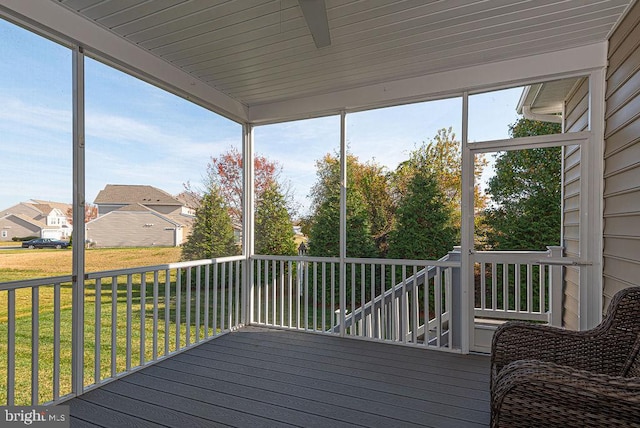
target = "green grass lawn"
x: 20, y: 264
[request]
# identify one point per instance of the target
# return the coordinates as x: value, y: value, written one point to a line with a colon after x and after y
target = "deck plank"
x: 80, y: 423
x: 364, y: 347
x: 88, y: 412
x: 269, y: 377
x: 276, y: 406
x: 112, y: 396
x: 319, y: 357
x: 207, y: 403
x: 358, y: 378
x: 424, y: 401
x: 367, y: 409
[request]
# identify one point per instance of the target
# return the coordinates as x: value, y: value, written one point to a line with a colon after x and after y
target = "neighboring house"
x: 44, y: 219
x: 138, y: 216
x: 190, y: 202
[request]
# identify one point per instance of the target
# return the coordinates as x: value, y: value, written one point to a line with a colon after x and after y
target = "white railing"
x: 392, y: 307
x: 515, y: 285
x: 136, y: 316
x: 386, y: 299
x: 41, y: 346
x: 380, y: 299
x: 295, y: 292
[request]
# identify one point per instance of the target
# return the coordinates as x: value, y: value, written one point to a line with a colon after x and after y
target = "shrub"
x: 25, y: 238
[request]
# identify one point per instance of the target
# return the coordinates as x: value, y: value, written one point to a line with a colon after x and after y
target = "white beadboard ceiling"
x: 261, y: 51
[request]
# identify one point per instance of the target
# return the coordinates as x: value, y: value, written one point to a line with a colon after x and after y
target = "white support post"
x: 555, y: 286
x: 467, y: 327
x: 456, y: 280
x: 343, y: 221
x: 591, y: 222
x: 248, y: 243
x: 77, y: 312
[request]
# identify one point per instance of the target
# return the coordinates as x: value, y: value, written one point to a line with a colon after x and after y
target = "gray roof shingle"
x: 128, y: 194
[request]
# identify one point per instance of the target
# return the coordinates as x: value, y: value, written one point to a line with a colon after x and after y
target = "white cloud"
x: 131, y: 132
x: 17, y: 113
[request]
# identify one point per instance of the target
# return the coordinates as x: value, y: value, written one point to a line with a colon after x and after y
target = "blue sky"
x: 139, y: 134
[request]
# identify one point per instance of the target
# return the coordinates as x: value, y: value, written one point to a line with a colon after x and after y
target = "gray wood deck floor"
x: 259, y: 377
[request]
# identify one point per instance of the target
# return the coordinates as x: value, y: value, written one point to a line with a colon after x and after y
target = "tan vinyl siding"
x: 166, y: 209
x: 621, y: 253
x: 106, y: 209
x: 163, y: 209
x: 576, y: 120
x: 131, y: 229
x: 577, y: 108
x: 17, y: 228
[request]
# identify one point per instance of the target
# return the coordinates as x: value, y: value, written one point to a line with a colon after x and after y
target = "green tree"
x: 423, y: 221
x: 273, y: 226
x: 212, y: 233
x: 526, y: 191
x: 441, y: 157
x: 224, y: 172
x: 371, y: 181
x: 324, y: 235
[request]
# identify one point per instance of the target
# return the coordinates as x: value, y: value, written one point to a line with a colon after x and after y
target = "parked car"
x: 45, y: 243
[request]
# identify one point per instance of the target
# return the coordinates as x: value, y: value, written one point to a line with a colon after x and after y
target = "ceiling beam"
x: 315, y: 13
x: 508, y: 73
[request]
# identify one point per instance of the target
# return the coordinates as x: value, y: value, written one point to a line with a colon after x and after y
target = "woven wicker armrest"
x: 604, y: 349
x: 535, y: 393
x: 593, y: 350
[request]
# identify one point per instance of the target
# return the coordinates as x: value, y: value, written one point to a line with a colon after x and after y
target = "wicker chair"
x: 546, y: 377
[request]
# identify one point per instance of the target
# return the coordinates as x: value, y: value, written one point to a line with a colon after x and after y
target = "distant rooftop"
x: 128, y: 194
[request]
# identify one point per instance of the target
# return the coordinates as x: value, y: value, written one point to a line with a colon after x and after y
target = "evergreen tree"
x: 372, y: 182
x: 273, y: 226
x: 442, y: 159
x: 212, y: 233
x: 324, y: 234
x: 422, y: 229
x: 526, y: 190
x: 224, y: 172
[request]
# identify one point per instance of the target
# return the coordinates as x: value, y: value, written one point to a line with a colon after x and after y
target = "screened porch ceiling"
x: 256, y: 60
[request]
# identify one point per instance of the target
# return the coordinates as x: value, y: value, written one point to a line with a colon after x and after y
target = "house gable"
x: 125, y: 194
x: 23, y: 208
x: 134, y: 226
x: 116, y: 196
x: 33, y: 217
x: 19, y: 226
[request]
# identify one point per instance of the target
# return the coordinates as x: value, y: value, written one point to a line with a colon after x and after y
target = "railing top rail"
x: 37, y: 282
x: 510, y: 257
x: 503, y: 253
x: 178, y: 265
x: 442, y: 262
x: 297, y: 258
x: 565, y: 261
x: 216, y: 260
